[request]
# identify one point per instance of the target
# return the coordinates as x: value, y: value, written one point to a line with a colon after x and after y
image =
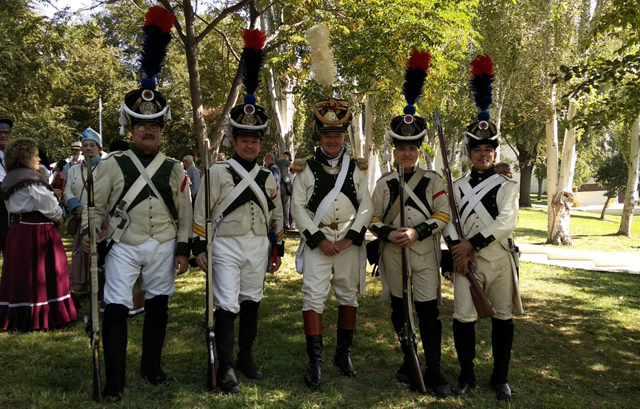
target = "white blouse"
x: 35, y: 198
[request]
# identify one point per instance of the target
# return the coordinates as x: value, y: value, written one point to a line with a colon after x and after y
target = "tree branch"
x: 226, y: 39
x: 176, y: 23
x: 275, y: 34
x: 219, y: 18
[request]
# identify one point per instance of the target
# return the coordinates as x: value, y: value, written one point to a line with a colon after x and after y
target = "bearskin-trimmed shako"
x: 248, y: 118
x: 145, y: 104
x: 409, y: 129
x: 483, y: 131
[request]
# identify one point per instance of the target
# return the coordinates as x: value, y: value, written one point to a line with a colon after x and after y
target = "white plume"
x: 322, y: 63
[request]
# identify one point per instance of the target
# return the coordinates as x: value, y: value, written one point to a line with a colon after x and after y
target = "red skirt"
x: 34, y: 287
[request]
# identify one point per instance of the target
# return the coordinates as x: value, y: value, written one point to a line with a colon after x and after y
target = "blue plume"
x: 250, y: 99
x: 413, y: 82
x: 481, y: 88
x: 154, y: 49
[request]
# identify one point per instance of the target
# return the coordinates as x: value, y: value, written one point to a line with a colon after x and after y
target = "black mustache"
x: 148, y: 136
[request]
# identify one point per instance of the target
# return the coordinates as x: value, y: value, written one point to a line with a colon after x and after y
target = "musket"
x: 208, y: 328
x: 93, y: 322
x: 408, y: 335
x: 480, y: 300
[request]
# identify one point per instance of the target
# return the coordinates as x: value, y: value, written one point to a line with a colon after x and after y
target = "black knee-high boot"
x: 246, y: 336
x: 397, y: 319
x: 313, y: 334
x: 114, y: 337
x: 153, y: 336
x: 344, y: 341
x: 224, y: 349
x: 501, y: 341
x: 431, y: 334
x: 464, y: 335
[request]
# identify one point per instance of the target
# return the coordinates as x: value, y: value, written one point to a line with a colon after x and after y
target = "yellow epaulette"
x: 434, y: 172
x: 298, y: 165
x: 363, y: 164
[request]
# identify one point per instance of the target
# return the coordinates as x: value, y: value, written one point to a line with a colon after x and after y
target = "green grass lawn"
x: 587, y: 231
x: 578, y: 345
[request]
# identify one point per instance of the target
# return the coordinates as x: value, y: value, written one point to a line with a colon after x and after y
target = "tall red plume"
x: 419, y: 59
x: 254, y: 39
x: 159, y: 16
x: 482, y: 64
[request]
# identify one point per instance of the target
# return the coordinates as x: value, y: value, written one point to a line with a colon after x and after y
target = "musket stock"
x: 480, y: 300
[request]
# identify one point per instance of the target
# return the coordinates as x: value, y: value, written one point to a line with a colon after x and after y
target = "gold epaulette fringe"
x: 298, y: 165
x: 363, y: 164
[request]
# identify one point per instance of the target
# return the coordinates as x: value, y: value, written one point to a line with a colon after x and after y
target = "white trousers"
x: 239, y: 270
x: 316, y: 278
x: 424, y: 273
x: 496, y: 280
x: 151, y: 259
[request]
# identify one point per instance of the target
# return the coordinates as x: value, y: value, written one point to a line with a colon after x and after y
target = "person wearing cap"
x: 488, y: 207
x: 332, y: 207
x: 249, y: 231
x: 147, y: 200
x: 427, y: 213
x: 74, y: 159
x: 75, y: 197
x: 5, y: 136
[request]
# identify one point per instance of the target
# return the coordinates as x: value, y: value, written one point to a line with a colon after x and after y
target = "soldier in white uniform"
x: 427, y: 213
x: 246, y: 235
x: 149, y: 227
x: 488, y: 206
x: 332, y: 208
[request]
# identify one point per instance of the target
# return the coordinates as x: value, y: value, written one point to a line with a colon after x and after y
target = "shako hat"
x: 409, y: 129
x: 248, y: 118
x: 483, y: 131
x: 145, y: 104
x: 331, y: 114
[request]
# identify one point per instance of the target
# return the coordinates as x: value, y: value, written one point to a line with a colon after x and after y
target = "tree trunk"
x: 552, y: 160
x: 563, y: 199
x: 632, y: 182
x: 368, y: 127
x: 356, y: 133
x: 191, y: 49
x: 284, y: 109
x: 539, y: 189
x: 526, y: 171
x: 604, y: 208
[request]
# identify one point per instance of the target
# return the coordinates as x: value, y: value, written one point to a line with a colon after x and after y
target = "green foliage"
x: 612, y: 174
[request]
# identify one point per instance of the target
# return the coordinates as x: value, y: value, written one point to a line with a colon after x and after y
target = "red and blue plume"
x: 414, y: 77
x: 156, y: 34
x: 481, y: 80
x: 252, y: 61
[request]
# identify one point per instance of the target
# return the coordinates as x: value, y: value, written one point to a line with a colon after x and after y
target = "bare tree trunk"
x: 552, y: 160
x: 604, y: 208
x: 563, y: 199
x: 356, y: 133
x: 525, y: 184
x: 539, y: 189
x: 632, y: 182
x: 368, y: 126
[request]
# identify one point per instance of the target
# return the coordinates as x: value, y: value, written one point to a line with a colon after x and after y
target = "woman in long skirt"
x: 34, y: 287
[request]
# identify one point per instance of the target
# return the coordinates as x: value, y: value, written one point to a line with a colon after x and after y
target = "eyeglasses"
x: 5, y: 132
x: 145, y: 127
